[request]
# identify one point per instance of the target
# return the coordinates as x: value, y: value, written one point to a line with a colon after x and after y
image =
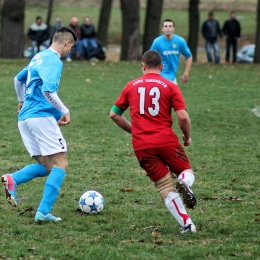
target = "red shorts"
x: 158, y: 161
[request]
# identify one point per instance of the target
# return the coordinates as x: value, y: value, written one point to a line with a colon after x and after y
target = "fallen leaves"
x: 127, y: 189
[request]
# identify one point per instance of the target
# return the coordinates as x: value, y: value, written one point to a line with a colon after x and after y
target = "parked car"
x: 246, y: 54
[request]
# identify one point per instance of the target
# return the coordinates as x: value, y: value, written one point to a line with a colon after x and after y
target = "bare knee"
x: 59, y: 160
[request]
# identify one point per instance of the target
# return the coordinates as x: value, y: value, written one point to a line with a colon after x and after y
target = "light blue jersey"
x: 42, y: 74
x: 170, y: 51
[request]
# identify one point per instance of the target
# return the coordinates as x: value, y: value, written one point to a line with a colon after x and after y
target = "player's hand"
x: 186, y: 141
x: 184, y: 78
x: 20, y: 105
x: 64, y: 120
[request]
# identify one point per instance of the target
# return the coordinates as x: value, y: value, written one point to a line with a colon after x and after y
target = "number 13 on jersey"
x: 155, y: 94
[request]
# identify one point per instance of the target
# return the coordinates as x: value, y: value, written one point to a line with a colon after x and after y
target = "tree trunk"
x: 152, y: 22
x: 49, y: 13
x: 12, y: 20
x: 104, y: 21
x: 257, y: 47
x: 193, y: 27
x: 130, y: 29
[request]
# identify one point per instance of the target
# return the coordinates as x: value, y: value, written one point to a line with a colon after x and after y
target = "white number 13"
x: 153, y: 92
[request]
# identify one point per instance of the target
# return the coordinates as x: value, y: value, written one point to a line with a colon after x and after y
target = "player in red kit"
x: 151, y: 99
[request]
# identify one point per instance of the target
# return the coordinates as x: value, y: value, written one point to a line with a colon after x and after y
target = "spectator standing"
x: 88, y: 34
x: 170, y: 46
x: 55, y: 27
x: 78, y: 44
x: 210, y: 31
x: 232, y: 30
x: 157, y: 148
x: 38, y: 33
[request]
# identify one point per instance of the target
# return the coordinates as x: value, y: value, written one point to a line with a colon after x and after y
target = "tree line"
x: 13, y: 13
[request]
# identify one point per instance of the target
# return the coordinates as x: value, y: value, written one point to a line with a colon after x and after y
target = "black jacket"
x: 87, y: 31
x: 39, y: 33
x: 206, y: 31
x: 232, y: 28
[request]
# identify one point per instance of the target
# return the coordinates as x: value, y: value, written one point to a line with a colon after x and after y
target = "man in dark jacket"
x: 88, y: 35
x: 210, y: 31
x: 39, y: 34
x: 232, y: 30
x: 78, y: 44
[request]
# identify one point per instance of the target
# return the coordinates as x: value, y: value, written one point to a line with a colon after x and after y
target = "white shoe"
x: 189, y: 229
x: 68, y: 59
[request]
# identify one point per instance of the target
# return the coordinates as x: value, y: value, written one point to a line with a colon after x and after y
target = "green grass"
x: 224, y: 154
x: 247, y: 20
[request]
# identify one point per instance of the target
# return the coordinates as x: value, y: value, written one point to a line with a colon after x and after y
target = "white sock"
x: 187, y: 177
x: 174, y: 204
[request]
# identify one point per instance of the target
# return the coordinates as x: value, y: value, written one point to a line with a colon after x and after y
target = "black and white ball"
x: 91, y: 202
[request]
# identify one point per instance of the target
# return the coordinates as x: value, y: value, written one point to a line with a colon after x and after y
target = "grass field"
x: 136, y: 225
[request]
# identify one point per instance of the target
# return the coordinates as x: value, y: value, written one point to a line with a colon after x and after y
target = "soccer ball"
x: 91, y: 202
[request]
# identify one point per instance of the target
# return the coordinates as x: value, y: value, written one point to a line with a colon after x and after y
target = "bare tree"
x: 193, y: 27
x: 257, y: 47
x: 152, y: 22
x: 104, y: 17
x: 49, y: 13
x: 12, y: 20
x: 130, y: 29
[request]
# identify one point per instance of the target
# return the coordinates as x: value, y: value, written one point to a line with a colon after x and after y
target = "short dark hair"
x: 152, y: 59
x: 211, y: 14
x: 62, y: 30
x: 168, y: 20
x: 38, y: 17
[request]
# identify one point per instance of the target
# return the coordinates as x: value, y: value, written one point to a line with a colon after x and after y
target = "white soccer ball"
x: 91, y: 202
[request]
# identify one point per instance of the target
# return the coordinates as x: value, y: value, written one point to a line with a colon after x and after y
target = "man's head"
x: 63, y: 40
x: 87, y: 21
x: 58, y: 21
x: 74, y: 21
x: 168, y: 27
x: 151, y: 61
x: 233, y: 15
x: 211, y: 16
x: 38, y: 20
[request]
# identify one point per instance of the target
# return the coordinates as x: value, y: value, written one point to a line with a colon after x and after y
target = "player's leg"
x: 175, y: 158
x: 54, y: 146
x: 29, y: 172
x: 160, y: 176
x: 52, y: 185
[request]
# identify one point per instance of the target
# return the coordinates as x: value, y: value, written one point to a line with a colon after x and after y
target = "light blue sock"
x: 29, y: 172
x: 51, y: 190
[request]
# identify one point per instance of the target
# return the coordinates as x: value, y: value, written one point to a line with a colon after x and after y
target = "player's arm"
x: 19, y: 85
x: 185, y: 76
x: 185, y: 125
x: 116, y: 114
x: 19, y: 88
x: 54, y: 99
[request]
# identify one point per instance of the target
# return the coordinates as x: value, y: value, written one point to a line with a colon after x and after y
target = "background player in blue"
x: 170, y: 46
x: 40, y: 113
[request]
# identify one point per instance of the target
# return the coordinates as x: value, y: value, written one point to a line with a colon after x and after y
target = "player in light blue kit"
x: 40, y: 113
x: 170, y: 46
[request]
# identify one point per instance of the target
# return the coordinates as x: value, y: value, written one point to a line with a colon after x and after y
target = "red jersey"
x: 151, y: 99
